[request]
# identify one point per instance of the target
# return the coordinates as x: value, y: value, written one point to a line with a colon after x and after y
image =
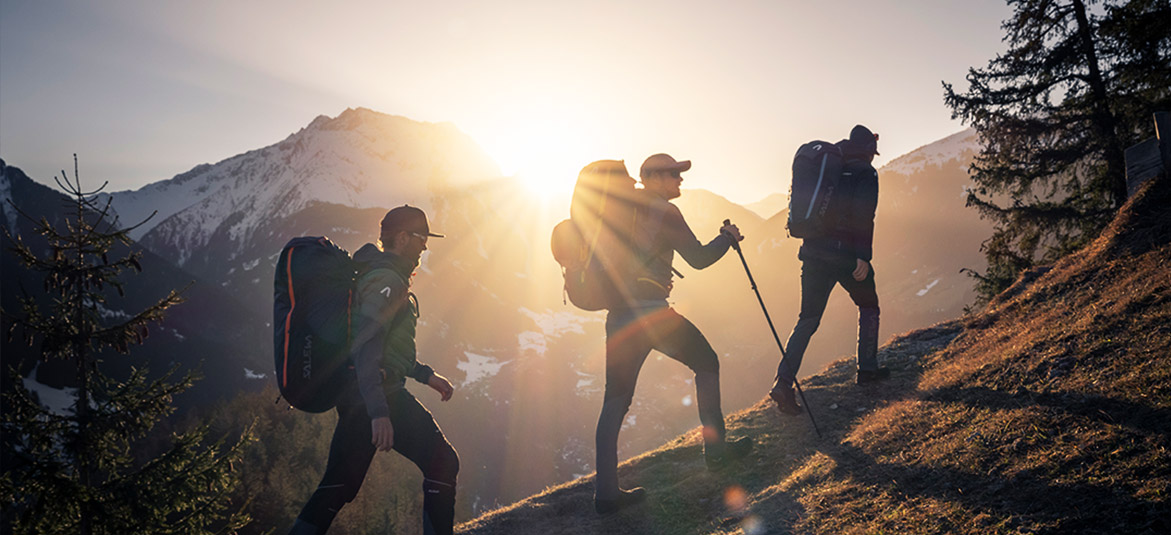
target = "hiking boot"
x: 786, y: 400
x: 733, y: 451
x: 873, y: 376
x: 625, y: 499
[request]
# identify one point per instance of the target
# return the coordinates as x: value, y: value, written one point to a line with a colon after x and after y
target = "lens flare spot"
x: 753, y: 525
x: 736, y: 499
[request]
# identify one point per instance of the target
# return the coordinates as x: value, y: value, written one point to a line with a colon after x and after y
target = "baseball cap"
x: 408, y: 218
x: 662, y: 162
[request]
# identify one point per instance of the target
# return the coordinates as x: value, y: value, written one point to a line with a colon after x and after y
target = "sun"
x: 546, y: 163
x: 543, y: 148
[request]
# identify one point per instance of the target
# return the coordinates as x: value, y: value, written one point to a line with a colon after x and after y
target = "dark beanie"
x: 863, y: 141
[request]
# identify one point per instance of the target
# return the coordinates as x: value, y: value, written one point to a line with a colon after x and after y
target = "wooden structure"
x: 1150, y: 158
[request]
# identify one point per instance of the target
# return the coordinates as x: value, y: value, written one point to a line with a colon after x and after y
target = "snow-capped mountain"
x: 360, y: 159
x: 961, y: 146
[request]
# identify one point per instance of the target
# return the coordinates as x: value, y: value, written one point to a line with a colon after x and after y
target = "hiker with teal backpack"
x: 375, y: 410
x: 633, y: 240
x: 831, y: 207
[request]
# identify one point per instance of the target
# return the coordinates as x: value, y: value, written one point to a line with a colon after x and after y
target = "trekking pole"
x: 752, y: 281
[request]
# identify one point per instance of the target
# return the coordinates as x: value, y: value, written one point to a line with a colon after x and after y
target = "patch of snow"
x: 108, y: 314
x: 532, y: 340
x: 586, y: 380
x: 57, y: 400
x: 479, y: 367
x: 5, y: 197
x: 249, y: 374
x: 924, y: 291
x: 554, y: 324
x: 772, y: 244
x: 249, y: 266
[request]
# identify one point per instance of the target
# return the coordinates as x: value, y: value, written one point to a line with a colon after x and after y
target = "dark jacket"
x: 660, y: 232
x: 858, y: 191
x: 385, y: 315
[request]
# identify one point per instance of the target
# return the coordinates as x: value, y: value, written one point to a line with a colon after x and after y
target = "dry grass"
x: 1050, y: 412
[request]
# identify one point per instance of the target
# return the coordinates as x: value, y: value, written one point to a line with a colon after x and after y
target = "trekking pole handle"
x: 735, y: 242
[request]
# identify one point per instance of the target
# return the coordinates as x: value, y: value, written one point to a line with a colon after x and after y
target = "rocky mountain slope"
x: 1048, y: 412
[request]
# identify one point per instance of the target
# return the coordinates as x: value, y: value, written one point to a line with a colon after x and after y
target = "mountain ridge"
x: 352, y: 160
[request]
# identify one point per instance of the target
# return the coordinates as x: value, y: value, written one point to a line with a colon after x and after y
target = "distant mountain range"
x: 528, y: 367
x: 770, y: 206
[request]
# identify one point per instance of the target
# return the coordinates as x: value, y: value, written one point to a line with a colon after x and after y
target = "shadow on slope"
x: 1049, y: 412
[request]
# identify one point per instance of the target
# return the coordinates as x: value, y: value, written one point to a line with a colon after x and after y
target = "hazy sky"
x: 144, y: 90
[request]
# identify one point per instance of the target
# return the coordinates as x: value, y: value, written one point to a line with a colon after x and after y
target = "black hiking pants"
x: 630, y: 337
x: 416, y: 437
x: 818, y: 278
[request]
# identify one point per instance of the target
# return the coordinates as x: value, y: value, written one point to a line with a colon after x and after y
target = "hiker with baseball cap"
x: 840, y: 254
x: 644, y: 321
x: 378, y: 413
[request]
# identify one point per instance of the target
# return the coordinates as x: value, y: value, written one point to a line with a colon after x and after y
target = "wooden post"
x: 1150, y: 158
x: 1163, y: 134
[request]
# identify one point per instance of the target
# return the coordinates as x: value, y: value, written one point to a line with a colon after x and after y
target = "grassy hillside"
x: 1049, y: 412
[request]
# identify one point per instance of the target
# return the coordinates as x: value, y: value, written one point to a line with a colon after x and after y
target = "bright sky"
x: 144, y: 90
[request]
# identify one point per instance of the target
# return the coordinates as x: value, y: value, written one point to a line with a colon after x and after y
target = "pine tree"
x: 1055, y: 112
x: 79, y: 471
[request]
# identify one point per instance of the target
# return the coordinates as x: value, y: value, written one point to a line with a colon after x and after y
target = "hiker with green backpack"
x: 375, y: 410
x: 617, y: 250
x: 831, y: 208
